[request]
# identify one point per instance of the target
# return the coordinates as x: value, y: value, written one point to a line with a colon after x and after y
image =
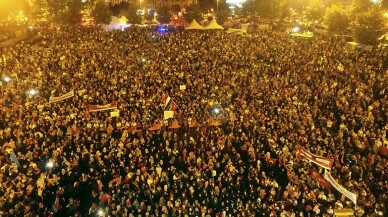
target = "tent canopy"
x: 213, y: 25
x: 236, y: 31
x: 384, y: 37
x: 194, y: 25
x: 304, y: 35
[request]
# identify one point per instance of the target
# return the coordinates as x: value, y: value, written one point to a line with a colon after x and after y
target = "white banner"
x: 341, y: 189
x: 53, y: 99
x: 96, y: 108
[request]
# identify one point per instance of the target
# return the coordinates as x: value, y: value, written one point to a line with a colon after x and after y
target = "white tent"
x: 213, y: 25
x: 244, y: 26
x: 304, y: 35
x: 236, y: 31
x: 194, y: 25
x: 384, y: 37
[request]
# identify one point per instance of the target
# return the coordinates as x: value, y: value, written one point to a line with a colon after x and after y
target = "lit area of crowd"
x: 270, y: 94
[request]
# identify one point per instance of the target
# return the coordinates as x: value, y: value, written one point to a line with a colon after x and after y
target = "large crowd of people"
x: 272, y: 91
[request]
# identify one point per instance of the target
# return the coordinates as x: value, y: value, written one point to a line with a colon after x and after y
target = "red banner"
x: 326, y: 163
x: 96, y: 108
x: 323, y: 182
x: 60, y: 98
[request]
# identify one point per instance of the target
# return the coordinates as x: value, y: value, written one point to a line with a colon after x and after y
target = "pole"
x: 217, y: 6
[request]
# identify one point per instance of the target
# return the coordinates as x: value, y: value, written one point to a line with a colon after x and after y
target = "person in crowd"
x: 274, y: 92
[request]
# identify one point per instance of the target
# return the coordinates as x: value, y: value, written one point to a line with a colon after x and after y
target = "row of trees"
x: 362, y: 18
x: 69, y: 12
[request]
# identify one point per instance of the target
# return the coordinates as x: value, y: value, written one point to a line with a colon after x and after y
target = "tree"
x: 150, y: 15
x: 274, y: 9
x: 249, y: 8
x: 223, y: 13
x: 41, y: 12
x: 337, y: 19
x: 74, y: 12
x: 280, y: 9
x: 164, y: 14
x: 298, y: 5
x: 102, y: 13
x: 193, y: 12
x: 120, y: 8
x: 206, y: 5
x: 265, y: 8
x: 384, y: 4
x: 175, y: 8
x: 132, y: 15
x: 369, y: 26
x: 58, y: 10
x: 315, y: 10
x: 12, y: 6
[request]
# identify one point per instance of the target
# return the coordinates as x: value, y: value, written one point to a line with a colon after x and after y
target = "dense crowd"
x: 274, y: 92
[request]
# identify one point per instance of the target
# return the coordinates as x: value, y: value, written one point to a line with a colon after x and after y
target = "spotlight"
x: 100, y: 212
x: 49, y: 164
x: 32, y: 92
x: 295, y: 29
x: 216, y: 111
x: 7, y: 79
